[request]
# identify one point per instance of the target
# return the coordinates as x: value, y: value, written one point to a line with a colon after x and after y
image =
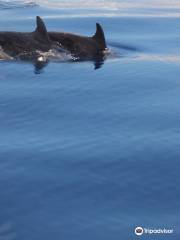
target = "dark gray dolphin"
x: 25, y: 45
x: 81, y: 46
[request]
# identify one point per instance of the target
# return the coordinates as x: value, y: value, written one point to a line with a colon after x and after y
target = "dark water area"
x: 91, y: 153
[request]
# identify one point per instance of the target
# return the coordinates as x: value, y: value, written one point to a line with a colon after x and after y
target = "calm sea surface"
x: 85, y: 153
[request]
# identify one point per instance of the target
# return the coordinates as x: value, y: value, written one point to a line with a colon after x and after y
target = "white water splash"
x: 55, y: 55
x: 4, y: 56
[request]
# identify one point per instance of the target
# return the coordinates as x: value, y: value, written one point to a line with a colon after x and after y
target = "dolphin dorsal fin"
x: 99, y: 37
x: 41, y: 28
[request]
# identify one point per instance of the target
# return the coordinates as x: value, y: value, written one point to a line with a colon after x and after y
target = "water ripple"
x: 6, y: 231
x: 16, y: 4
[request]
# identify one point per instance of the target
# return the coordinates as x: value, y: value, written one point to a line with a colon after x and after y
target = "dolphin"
x: 81, y: 47
x: 25, y: 45
x: 30, y: 45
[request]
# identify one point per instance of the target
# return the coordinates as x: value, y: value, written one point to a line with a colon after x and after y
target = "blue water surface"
x: 86, y: 153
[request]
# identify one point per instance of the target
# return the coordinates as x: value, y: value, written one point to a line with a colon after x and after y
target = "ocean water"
x: 86, y: 152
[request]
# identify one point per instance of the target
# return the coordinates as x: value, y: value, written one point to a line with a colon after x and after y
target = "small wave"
x: 6, y: 231
x: 16, y: 4
x: 118, y: 50
x: 56, y: 55
x: 116, y: 8
x: 123, y: 46
x: 106, y: 8
x: 111, y: 4
x: 165, y: 58
x: 65, y: 56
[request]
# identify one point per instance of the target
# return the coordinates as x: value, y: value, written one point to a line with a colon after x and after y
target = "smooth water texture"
x: 91, y: 154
